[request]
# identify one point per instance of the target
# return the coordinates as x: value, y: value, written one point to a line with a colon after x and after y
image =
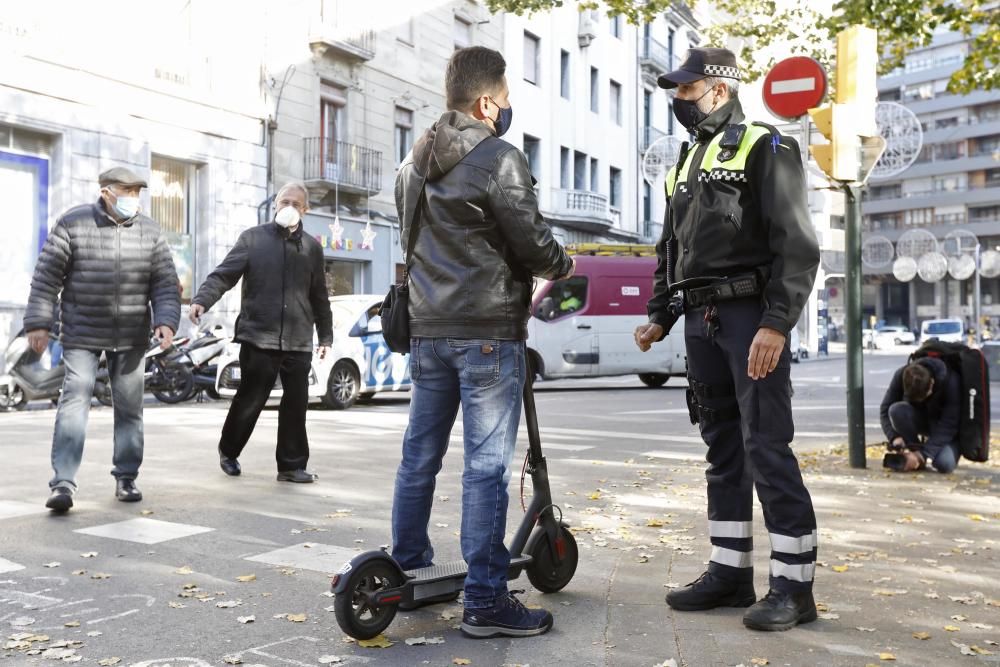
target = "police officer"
x: 738, y: 258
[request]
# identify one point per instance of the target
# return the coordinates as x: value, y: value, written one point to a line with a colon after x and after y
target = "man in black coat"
x: 104, y: 264
x: 284, y: 297
x: 923, y: 400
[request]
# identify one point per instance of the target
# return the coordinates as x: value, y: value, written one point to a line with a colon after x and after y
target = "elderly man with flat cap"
x: 738, y: 258
x: 102, y: 266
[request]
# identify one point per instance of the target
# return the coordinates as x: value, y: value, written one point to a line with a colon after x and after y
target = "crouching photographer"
x: 920, y: 417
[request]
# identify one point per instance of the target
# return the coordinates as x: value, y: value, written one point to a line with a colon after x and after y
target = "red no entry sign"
x: 794, y: 86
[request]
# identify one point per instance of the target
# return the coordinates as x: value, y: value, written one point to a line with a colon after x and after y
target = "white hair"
x: 732, y: 85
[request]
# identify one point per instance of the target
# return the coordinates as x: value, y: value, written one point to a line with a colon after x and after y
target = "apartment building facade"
x: 586, y: 107
x: 183, y: 111
x: 954, y: 184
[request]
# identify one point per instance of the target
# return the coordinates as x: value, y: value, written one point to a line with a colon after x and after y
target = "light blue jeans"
x: 125, y: 370
x: 486, y: 377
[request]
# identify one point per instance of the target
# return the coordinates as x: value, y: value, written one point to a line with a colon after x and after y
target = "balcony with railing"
x: 655, y: 56
x: 350, y: 168
x: 583, y: 210
x: 356, y: 44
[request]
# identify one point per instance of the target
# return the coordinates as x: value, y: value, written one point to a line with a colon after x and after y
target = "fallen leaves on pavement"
x: 379, y: 641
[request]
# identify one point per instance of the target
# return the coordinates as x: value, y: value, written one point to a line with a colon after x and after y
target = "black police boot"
x: 780, y: 610
x: 709, y: 592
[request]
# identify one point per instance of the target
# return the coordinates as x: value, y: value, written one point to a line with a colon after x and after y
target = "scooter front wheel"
x: 544, y: 573
x: 356, y: 615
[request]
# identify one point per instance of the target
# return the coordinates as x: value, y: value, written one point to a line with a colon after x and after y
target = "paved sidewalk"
x: 907, y: 568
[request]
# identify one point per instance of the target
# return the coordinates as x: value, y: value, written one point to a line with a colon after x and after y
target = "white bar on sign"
x: 793, y: 85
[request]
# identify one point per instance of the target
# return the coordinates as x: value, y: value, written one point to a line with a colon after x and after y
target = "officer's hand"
x: 38, y: 339
x: 765, y: 351
x: 897, y: 443
x: 195, y: 313
x: 165, y: 335
x: 647, y: 334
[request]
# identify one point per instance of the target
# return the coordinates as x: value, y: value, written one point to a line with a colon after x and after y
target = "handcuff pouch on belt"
x: 701, y: 414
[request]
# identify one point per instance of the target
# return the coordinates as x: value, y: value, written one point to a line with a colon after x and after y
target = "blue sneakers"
x: 508, y: 618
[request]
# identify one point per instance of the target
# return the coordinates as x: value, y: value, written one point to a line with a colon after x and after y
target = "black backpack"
x: 974, y: 419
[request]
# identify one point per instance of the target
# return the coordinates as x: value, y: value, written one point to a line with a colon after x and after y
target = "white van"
x: 950, y: 330
x: 583, y: 326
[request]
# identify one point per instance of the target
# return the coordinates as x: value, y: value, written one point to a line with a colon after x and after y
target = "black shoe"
x: 508, y: 618
x: 229, y: 466
x: 60, y: 500
x: 781, y: 611
x: 437, y: 599
x: 709, y: 592
x: 298, y: 476
x: 127, y: 492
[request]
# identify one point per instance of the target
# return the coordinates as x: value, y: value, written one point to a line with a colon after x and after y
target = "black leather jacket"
x: 480, y: 238
x: 284, y: 289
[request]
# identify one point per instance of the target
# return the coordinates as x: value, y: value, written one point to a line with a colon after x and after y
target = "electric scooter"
x: 368, y: 588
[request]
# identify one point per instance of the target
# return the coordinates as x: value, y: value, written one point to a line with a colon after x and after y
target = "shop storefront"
x: 361, y: 256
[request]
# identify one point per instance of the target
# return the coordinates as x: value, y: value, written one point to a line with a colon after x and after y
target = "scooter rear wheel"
x: 355, y: 615
x: 543, y: 572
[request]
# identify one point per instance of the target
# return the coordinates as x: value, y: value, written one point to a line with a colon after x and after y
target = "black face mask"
x: 687, y: 112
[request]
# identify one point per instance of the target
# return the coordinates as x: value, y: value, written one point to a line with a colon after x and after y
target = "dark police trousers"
x: 747, y: 426
x: 259, y: 368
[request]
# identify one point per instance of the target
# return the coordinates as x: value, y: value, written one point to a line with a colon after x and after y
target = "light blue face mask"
x: 126, y: 207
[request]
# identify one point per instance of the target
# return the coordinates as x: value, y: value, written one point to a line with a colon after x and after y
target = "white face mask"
x: 287, y: 217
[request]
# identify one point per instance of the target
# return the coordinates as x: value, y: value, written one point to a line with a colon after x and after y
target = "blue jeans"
x: 125, y: 370
x: 486, y: 377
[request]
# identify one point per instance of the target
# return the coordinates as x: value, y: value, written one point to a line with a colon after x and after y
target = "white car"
x: 950, y: 330
x: 890, y: 336
x: 357, y: 366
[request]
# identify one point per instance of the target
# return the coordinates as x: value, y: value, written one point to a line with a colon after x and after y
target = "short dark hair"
x: 472, y: 72
x: 916, y: 382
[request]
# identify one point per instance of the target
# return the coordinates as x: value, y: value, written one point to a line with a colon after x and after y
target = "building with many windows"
x: 351, y: 91
x: 183, y: 110
x: 954, y: 184
x: 586, y: 107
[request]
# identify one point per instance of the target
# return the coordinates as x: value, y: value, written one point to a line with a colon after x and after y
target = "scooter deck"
x: 456, y: 569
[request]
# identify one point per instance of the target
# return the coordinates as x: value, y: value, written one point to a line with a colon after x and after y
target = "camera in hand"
x: 894, y: 461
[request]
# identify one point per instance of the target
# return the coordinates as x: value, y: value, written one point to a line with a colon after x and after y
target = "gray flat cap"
x: 120, y: 176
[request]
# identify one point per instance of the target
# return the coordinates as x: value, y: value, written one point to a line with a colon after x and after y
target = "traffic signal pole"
x: 852, y: 320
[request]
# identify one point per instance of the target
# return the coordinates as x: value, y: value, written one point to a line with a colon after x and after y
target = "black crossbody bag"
x: 395, y: 308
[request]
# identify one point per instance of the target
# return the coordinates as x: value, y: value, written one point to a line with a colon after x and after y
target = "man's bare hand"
x: 572, y: 269
x: 322, y: 350
x: 912, y: 460
x: 165, y: 335
x: 38, y: 339
x: 647, y: 334
x: 765, y: 351
x: 195, y: 313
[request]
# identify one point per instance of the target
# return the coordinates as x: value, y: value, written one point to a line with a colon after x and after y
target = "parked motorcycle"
x: 200, y: 356
x: 165, y: 377
x: 29, y: 376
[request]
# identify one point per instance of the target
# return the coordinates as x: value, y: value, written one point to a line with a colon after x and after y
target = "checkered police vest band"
x: 722, y: 70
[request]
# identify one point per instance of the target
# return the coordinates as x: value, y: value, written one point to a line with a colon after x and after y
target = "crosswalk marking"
x: 325, y: 558
x: 10, y: 509
x: 144, y: 531
x: 9, y: 566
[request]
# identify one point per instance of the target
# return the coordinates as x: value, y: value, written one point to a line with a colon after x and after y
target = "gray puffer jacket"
x: 108, y: 274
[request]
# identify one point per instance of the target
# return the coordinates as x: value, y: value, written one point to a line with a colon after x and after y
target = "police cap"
x: 700, y: 63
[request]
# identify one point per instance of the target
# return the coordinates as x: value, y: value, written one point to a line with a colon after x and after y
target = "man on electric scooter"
x: 479, y: 241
